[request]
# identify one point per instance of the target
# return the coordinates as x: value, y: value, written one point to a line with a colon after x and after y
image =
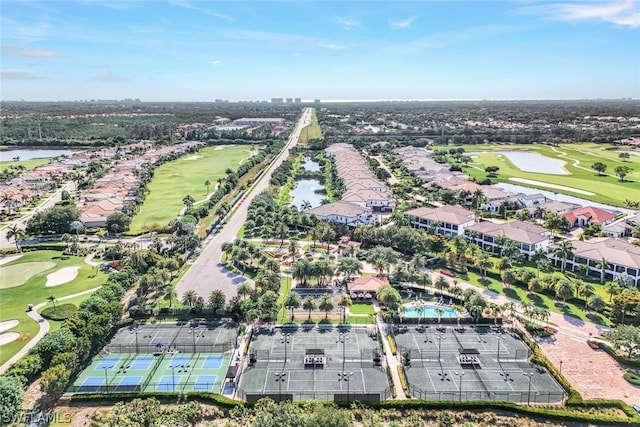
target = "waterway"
x: 560, y: 197
x: 310, y: 165
x: 35, y: 153
x: 307, y: 190
x: 534, y: 162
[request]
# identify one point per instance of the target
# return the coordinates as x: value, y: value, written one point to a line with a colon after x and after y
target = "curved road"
x: 206, y: 273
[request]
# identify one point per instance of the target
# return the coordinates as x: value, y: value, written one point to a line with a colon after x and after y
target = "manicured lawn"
x: 15, y: 300
x: 174, y: 180
x: 17, y: 274
x: 55, y: 325
x: 28, y: 164
x: 606, y: 189
x: 360, y: 308
x: 312, y: 131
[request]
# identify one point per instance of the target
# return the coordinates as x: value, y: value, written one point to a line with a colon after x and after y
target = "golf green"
x: 18, y: 274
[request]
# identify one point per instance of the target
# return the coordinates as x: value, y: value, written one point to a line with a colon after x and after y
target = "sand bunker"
x: 62, y: 276
x: 8, y: 337
x: 547, y: 185
x: 193, y: 157
x: 9, y: 258
x: 8, y: 324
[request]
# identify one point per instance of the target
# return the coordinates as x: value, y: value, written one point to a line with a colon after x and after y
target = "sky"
x: 196, y: 50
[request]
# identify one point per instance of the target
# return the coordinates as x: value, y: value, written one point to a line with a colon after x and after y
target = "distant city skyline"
x: 359, y: 50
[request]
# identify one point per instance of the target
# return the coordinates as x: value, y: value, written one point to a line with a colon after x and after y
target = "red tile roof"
x: 594, y: 215
x: 367, y: 284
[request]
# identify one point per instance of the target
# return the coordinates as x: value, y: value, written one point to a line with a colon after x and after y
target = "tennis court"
x: 473, y: 363
x: 166, y: 368
x: 185, y: 337
x: 315, y: 363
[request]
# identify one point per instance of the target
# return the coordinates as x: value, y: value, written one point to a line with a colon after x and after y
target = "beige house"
x: 446, y: 220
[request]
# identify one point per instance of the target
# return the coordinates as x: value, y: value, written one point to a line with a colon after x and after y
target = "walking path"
x: 392, y: 360
x: 44, y: 328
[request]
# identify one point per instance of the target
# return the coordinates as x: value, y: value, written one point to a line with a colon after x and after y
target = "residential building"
x: 585, y: 216
x: 342, y: 212
x: 527, y: 235
x: 446, y: 220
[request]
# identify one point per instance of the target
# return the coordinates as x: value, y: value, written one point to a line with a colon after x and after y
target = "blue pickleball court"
x: 91, y: 384
x: 204, y: 383
x: 142, y: 363
x: 108, y: 362
x: 213, y: 362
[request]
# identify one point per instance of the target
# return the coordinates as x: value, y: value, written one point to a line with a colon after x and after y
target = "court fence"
x: 422, y: 355
x: 155, y: 387
x: 179, y: 348
x: 522, y: 397
x: 316, y: 395
x: 370, y: 358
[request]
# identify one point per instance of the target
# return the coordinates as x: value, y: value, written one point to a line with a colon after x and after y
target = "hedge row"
x: 403, y: 381
x: 620, y: 359
x: 214, y: 398
x: 394, y: 393
x: 632, y: 378
x: 392, y: 343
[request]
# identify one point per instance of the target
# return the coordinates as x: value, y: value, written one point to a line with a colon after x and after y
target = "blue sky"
x: 190, y: 50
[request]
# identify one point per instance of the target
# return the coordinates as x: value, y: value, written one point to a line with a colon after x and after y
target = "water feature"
x: 310, y: 165
x: 35, y: 153
x: 307, y: 190
x: 428, y: 311
x: 534, y: 162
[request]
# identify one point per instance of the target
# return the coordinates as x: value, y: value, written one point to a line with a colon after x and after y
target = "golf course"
x: 577, y: 178
x: 32, y: 278
x: 185, y: 176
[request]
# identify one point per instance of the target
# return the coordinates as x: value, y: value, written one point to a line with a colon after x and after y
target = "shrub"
x: 59, y: 312
x: 403, y: 381
x: 632, y: 378
x: 394, y: 393
x: 392, y: 343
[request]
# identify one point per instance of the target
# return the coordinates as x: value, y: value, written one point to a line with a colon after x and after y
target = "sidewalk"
x: 392, y: 360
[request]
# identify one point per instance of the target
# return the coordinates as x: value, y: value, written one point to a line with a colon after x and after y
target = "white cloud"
x: 110, y: 78
x: 21, y: 52
x: 332, y: 46
x: 348, y: 24
x: 17, y: 75
x: 205, y: 11
x: 625, y: 13
x: 401, y: 25
x: 215, y: 62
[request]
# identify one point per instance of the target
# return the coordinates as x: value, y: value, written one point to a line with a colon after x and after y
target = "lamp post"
x: 439, y: 336
x: 137, y: 346
x: 347, y: 377
x: 106, y: 378
x: 280, y: 378
x: 561, y: 367
x: 192, y: 331
x: 530, y: 376
x: 173, y: 377
x: 498, y: 339
x: 286, y: 339
x: 460, y: 375
x: 343, y: 337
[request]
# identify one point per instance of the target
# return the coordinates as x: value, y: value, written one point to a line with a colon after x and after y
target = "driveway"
x: 206, y: 273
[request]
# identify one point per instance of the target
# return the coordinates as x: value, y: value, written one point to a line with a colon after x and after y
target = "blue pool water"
x: 428, y: 311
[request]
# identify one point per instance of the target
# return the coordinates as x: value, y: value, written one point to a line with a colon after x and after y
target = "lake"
x: 310, y: 165
x: 534, y: 162
x: 35, y: 153
x: 306, y: 190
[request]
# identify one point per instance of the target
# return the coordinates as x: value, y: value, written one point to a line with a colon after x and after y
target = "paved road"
x: 206, y: 273
x: 22, y: 221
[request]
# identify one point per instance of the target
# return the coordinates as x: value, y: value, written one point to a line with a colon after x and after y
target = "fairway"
x: 32, y: 290
x: 174, y: 180
x: 582, y: 181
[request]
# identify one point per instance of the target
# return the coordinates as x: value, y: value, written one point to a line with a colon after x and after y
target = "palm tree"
x: 423, y: 279
x: 441, y: 284
x: 326, y: 304
x: 309, y: 304
x: 217, y: 300
x: 292, y: 301
x: 349, y: 267
x: 565, y: 289
x: 170, y: 294
x: 344, y: 302
x: 563, y: 250
x: 293, y: 249
x: 14, y: 232
x: 439, y: 311
x: 189, y: 299
x: 612, y: 289
x: 52, y: 300
x: 420, y: 309
x: 305, y: 206
x: 244, y: 289
x: 188, y: 201
x: 508, y: 277
x: 207, y: 184
x: 597, y: 303
x: 585, y: 289
x: 603, y: 264
x: 539, y: 256
x: 535, y: 285
x: 483, y: 262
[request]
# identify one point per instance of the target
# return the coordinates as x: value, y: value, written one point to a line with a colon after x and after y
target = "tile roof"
x: 447, y: 213
x: 518, y: 231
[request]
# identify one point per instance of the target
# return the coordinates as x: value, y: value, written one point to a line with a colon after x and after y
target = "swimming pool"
x: 428, y: 311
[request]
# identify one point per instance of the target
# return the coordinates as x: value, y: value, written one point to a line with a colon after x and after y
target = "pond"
x: 534, y: 162
x: 310, y: 190
x: 35, y: 153
x: 310, y: 165
x: 559, y: 197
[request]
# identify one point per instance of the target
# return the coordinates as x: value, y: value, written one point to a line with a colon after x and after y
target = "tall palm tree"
x: 563, y: 250
x: 603, y: 264
x: 170, y: 294
x: 326, y: 304
x: 188, y: 201
x: 305, y: 205
x: 585, y: 289
x: 441, y: 284
x: 52, y: 300
x: 190, y: 298
x: 565, y: 289
x: 244, y: 289
x: 16, y: 233
x: 207, y: 184
x: 539, y: 256
x: 483, y: 262
x: 293, y: 249
x: 292, y: 301
x: 309, y: 304
x: 344, y: 302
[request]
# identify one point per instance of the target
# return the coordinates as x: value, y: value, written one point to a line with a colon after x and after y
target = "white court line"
x: 433, y: 386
